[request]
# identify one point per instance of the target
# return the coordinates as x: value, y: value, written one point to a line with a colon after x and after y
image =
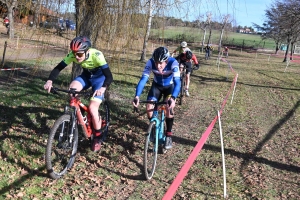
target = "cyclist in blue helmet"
x: 166, y: 83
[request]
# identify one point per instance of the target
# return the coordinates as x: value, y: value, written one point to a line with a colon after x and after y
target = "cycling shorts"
x: 157, y: 91
x: 188, y: 66
x: 92, y: 80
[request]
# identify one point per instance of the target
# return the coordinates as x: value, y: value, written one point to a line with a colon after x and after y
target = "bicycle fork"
x: 72, y: 125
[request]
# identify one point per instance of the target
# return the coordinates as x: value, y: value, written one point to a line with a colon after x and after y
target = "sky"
x: 246, y: 12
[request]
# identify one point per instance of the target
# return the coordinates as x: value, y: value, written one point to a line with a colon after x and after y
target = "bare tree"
x: 148, y: 28
x: 224, y: 23
x: 283, y: 23
x: 11, y: 4
x: 207, y: 24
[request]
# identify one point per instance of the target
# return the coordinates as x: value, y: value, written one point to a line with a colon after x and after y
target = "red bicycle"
x: 63, y: 138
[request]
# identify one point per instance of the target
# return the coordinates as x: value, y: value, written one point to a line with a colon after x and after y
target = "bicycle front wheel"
x: 61, y: 147
x: 150, y: 151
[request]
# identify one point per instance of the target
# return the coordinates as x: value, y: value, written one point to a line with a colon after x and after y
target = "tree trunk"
x: 209, y: 36
x: 203, y: 40
x: 11, y: 4
x: 220, y: 40
x: 292, y: 50
x: 143, y: 55
x: 87, y: 24
x: 287, y: 49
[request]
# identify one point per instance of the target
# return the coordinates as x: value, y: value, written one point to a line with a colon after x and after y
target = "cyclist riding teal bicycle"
x: 186, y: 59
x: 166, y: 83
x: 96, y: 74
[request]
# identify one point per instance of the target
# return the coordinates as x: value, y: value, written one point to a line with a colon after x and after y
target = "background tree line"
x: 115, y: 24
x: 282, y: 24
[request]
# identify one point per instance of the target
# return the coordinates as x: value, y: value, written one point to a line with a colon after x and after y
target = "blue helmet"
x: 161, y: 54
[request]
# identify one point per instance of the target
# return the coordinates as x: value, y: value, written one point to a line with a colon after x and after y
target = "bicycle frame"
x: 160, y: 137
x: 86, y: 124
x: 76, y: 105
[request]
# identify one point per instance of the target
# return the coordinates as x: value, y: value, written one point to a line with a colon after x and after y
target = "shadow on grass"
x: 268, y: 137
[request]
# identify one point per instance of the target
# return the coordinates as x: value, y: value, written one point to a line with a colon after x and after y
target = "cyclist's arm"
x: 145, y: 76
x: 141, y: 85
x: 176, y: 87
x: 108, y: 76
x: 194, y: 58
x: 176, y: 79
x: 54, y: 73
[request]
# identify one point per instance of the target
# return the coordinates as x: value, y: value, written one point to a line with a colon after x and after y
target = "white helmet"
x: 183, y: 44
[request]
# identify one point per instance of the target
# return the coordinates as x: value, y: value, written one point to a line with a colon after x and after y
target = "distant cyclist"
x: 186, y: 59
x: 182, y: 48
x: 225, y: 51
x: 6, y: 22
x: 96, y: 74
x: 166, y: 83
x: 207, y: 52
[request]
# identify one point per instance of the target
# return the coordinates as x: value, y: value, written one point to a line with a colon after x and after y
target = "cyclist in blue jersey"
x: 96, y: 74
x: 166, y: 83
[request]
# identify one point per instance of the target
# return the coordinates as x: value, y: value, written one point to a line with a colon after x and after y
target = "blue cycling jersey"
x: 170, y: 75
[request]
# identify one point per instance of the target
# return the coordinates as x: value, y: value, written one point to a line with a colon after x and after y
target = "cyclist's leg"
x: 154, y: 94
x: 169, y: 118
x: 167, y: 92
x: 180, y: 67
x: 188, y: 72
x: 96, y: 82
x: 77, y: 84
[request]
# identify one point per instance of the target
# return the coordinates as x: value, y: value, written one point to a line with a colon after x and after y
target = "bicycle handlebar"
x: 71, y: 91
x: 135, y: 109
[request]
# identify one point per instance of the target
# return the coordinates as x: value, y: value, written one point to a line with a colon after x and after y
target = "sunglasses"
x: 78, y: 54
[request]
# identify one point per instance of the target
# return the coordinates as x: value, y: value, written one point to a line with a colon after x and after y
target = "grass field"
x: 260, y: 130
x: 194, y: 35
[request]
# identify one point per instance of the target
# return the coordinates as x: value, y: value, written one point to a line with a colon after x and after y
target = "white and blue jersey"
x: 170, y: 75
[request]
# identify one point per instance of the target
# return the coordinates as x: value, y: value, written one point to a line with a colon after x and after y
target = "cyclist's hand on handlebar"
x: 48, y: 86
x: 171, y: 103
x: 136, y: 102
x: 196, y: 66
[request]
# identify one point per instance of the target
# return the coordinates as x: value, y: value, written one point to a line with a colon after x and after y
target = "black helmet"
x: 80, y: 43
x: 160, y: 54
x: 188, y: 55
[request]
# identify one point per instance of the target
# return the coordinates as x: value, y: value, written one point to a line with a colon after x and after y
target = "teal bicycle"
x: 155, y: 137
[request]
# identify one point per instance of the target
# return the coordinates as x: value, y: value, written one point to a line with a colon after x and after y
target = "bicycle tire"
x: 150, y: 151
x: 60, y: 152
x: 182, y: 88
x: 104, y: 112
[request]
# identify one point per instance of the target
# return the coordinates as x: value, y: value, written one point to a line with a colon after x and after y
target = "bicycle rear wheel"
x: 104, y: 112
x: 150, y: 151
x: 61, y: 147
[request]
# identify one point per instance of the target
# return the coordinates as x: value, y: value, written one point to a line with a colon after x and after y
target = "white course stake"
x: 234, y: 88
x: 223, y: 156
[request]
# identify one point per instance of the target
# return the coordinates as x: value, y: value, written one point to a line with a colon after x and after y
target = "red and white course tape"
x: 12, y: 69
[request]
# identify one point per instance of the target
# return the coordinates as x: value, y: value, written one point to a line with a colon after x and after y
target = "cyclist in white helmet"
x: 181, y: 49
x: 166, y: 82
